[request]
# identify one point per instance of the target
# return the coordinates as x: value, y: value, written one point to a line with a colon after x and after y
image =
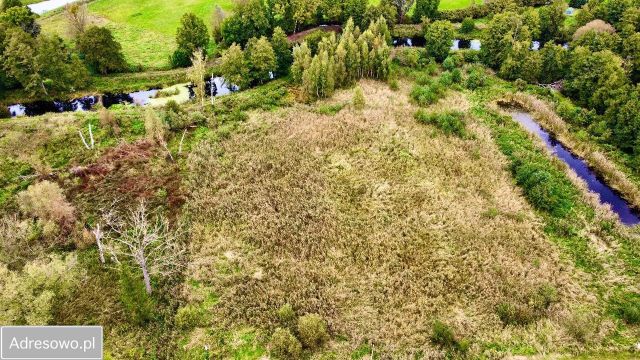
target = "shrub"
x: 512, y: 314
x: 476, y: 78
x: 287, y: 316
x: 427, y: 94
x: 393, y: 84
x: 189, y: 317
x: 446, y: 79
x: 443, y: 336
x: 4, y: 112
x: 407, y: 56
x: 312, y: 330
x: 138, y: 305
x: 456, y: 76
x: 109, y: 121
x: 451, y: 62
x: 626, y: 306
x: 544, y: 190
x: 358, y: 99
x: 449, y: 122
x: 46, y: 201
x: 582, y: 325
x: 520, y: 84
x: 101, y: 51
x: 30, y: 296
x: 467, y: 26
x: 284, y: 345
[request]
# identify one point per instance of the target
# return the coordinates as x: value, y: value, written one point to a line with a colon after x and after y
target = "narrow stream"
x: 86, y: 103
x: 627, y: 215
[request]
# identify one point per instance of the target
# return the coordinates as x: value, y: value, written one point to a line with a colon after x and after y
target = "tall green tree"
x: 425, y: 8
x: 22, y: 17
x: 101, y: 51
x: 501, y: 33
x: 522, y: 63
x: 631, y: 54
x: 439, y: 36
x: 552, y: 20
x: 356, y: 10
x: 261, y: 59
x: 6, y: 4
x: 555, y: 60
x: 192, y: 35
x: 281, y: 14
x: 250, y: 19
x: 282, y: 50
x: 234, y: 67
x: 44, y: 67
x: 593, y: 78
x: 301, y: 61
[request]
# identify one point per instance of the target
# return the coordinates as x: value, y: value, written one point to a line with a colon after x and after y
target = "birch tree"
x: 196, y: 74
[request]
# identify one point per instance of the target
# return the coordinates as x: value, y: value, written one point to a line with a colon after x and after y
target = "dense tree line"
x: 599, y: 69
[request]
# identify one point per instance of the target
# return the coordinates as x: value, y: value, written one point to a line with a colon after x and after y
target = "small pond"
x: 138, y: 98
x: 625, y: 212
x: 44, y: 6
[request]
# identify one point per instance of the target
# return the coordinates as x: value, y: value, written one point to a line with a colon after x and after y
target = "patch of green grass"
x: 330, y: 109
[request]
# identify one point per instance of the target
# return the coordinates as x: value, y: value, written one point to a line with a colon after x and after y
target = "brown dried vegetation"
x: 375, y: 222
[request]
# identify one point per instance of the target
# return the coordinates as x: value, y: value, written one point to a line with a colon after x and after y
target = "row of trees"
x: 340, y: 62
x: 43, y: 65
x: 256, y: 18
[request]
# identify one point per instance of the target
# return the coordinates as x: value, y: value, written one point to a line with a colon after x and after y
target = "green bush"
x: 393, y: 84
x: 446, y: 79
x: 138, y: 305
x: 427, y: 94
x: 443, y: 336
x: 452, y: 62
x: 456, y: 76
x: 626, y: 306
x: 284, y: 345
x: 544, y: 189
x: 409, y: 57
x: 467, y: 26
x: 359, y: 101
x: 451, y: 122
x: 189, y: 317
x: 476, y: 78
x: 520, y: 84
x: 515, y: 314
x: 287, y: 316
x: 312, y: 330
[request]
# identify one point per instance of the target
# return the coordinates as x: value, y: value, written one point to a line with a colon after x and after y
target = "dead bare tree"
x: 76, y: 14
x: 144, y: 239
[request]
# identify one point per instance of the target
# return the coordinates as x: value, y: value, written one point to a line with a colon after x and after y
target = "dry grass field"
x: 378, y: 223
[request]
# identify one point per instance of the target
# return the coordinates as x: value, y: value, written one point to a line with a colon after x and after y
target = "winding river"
x: 621, y: 207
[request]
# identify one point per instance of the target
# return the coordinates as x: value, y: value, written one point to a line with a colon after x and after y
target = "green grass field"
x: 146, y: 28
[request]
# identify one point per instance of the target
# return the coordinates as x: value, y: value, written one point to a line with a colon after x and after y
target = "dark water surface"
x: 86, y: 103
x: 627, y: 215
